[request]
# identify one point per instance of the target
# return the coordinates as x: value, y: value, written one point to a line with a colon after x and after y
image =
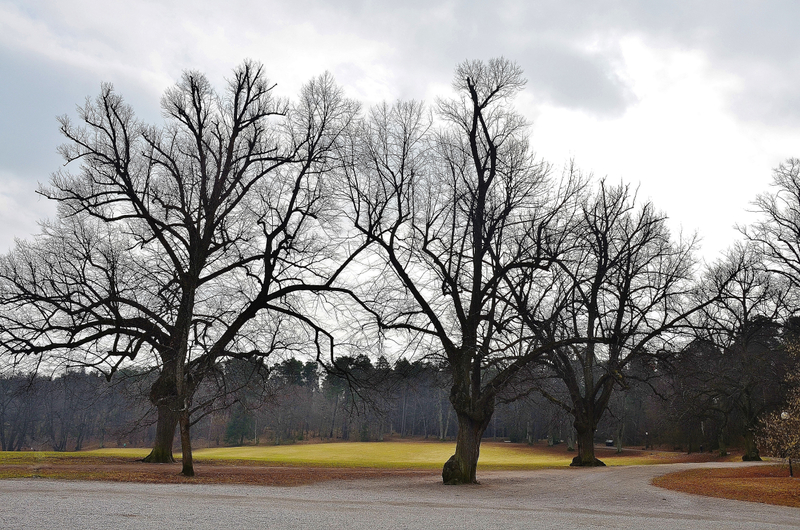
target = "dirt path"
x: 613, y: 497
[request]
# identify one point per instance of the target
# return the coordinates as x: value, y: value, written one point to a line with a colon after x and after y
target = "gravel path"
x: 613, y: 497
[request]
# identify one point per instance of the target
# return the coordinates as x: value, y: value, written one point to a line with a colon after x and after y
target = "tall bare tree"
x: 629, y: 287
x: 776, y: 235
x: 452, y: 203
x: 182, y: 240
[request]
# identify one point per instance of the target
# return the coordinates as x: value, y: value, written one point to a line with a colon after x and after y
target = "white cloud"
x: 692, y: 157
x: 695, y: 101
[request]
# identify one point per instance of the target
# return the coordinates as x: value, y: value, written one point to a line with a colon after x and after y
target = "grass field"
x: 428, y: 455
x: 381, y: 455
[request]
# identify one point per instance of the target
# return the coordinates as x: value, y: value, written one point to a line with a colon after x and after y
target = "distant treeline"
x: 706, y: 400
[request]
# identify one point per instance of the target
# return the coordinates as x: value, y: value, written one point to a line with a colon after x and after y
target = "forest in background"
x: 701, y: 403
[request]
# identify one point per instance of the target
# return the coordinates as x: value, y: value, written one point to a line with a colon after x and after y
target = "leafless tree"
x: 776, y: 235
x: 183, y: 241
x: 629, y: 286
x: 452, y: 203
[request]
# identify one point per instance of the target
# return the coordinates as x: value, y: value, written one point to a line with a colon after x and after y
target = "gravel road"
x: 613, y: 497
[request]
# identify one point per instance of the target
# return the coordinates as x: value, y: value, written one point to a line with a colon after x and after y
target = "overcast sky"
x: 693, y: 101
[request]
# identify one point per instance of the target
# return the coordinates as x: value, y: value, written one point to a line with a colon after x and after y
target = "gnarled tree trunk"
x: 585, y: 435
x: 163, y: 395
x: 473, y: 416
x: 165, y: 435
x: 462, y: 466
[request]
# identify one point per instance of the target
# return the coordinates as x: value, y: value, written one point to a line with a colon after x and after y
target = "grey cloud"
x: 37, y: 90
x: 576, y: 80
x: 756, y: 41
x: 421, y: 42
x: 567, y: 50
x: 34, y: 93
x: 428, y: 40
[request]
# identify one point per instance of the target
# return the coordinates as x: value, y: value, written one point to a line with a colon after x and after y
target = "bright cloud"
x: 694, y: 102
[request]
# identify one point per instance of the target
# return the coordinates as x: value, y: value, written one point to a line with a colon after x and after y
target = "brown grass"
x: 132, y: 470
x: 247, y: 465
x: 769, y: 484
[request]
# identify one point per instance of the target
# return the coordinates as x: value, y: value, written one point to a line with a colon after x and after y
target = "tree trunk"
x: 751, y: 453
x: 403, y: 416
x: 165, y: 434
x: 333, y: 419
x: 164, y: 396
x: 441, y: 413
x: 186, y: 444
x: 585, y: 436
x: 462, y: 466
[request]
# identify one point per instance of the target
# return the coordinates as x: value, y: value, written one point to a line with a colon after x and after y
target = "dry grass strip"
x: 769, y: 484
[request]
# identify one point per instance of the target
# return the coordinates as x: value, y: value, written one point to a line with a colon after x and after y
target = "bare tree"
x: 181, y: 241
x: 629, y: 286
x: 777, y: 237
x: 777, y: 234
x: 452, y: 205
x: 744, y: 360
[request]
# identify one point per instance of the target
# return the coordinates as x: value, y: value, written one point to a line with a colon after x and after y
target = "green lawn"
x: 385, y: 455
x: 394, y: 455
